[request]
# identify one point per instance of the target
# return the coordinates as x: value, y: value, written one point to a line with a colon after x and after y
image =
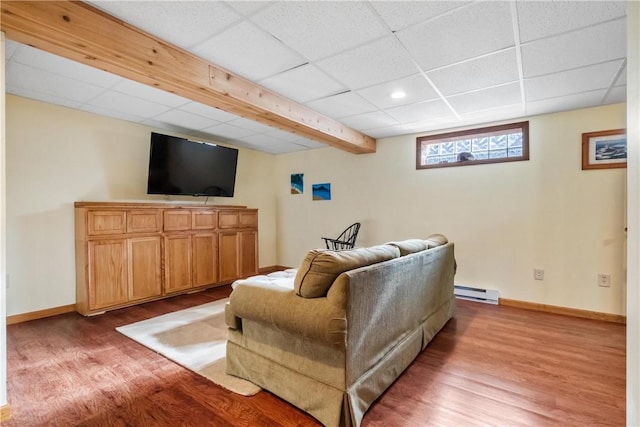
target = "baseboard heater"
x: 488, y: 296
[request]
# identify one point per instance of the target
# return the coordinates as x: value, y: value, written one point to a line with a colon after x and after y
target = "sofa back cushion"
x: 320, y: 267
x: 410, y: 246
x: 435, y: 240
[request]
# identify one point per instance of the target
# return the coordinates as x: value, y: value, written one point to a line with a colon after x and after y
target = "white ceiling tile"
x: 468, y: 32
x: 416, y: 88
x: 49, y: 62
x: 499, y: 96
x: 166, y: 126
x: 576, y: 49
x: 386, y: 131
x: 184, y: 119
x: 381, y: 61
x: 565, y: 103
x: 251, y: 125
x: 116, y: 114
x: 130, y: 105
x: 226, y: 130
x: 622, y: 79
x: 207, y: 111
x: 420, y: 111
x: 617, y: 95
x: 282, y: 147
x: 539, y: 19
x: 408, y: 13
x: 293, y: 138
x: 328, y: 26
x: 309, y: 143
x: 489, y: 70
x: 247, y: 7
x: 341, y: 105
x: 43, y: 97
x: 249, y: 52
x: 302, y: 84
x: 201, y: 136
x: 369, y: 120
x: 263, y: 139
x: 494, y: 114
x: 573, y: 81
x: 36, y: 80
x: 10, y: 48
x: 182, y: 23
x: 139, y: 90
x: 433, y: 123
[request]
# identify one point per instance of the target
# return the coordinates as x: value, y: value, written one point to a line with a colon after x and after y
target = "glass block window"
x: 494, y: 144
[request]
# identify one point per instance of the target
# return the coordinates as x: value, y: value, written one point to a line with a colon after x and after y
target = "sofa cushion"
x: 320, y: 267
x: 409, y: 246
x: 436, y: 240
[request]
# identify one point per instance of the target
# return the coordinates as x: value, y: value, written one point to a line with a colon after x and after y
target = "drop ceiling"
x: 459, y: 63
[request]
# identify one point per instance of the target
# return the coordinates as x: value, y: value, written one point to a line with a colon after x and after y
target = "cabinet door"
x: 248, y: 253
x: 144, y: 221
x: 229, y: 245
x: 205, y: 258
x: 144, y: 268
x: 203, y: 219
x: 107, y: 268
x: 177, y: 220
x: 177, y: 263
x: 248, y: 219
x: 106, y: 222
x: 228, y: 219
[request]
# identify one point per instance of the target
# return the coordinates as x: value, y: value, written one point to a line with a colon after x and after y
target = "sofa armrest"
x: 315, y: 318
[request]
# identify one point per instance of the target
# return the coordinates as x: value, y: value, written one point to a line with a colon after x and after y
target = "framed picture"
x: 605, y: 149
x: 297, y: 183
x: 321, y: 191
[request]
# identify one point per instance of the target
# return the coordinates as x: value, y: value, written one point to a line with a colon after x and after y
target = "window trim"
x: 524, y: 126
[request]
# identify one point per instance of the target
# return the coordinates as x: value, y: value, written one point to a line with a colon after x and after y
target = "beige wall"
x: 505, y: 219
x: 56, y: 156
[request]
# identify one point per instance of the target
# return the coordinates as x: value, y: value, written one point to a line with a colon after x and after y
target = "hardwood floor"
x: 490, y: 365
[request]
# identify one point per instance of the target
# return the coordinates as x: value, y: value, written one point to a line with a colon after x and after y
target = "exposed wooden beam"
x: 84, y: 34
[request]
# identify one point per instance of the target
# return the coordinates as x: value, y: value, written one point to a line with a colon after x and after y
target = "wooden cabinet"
x: 107, y: 273
x: 131, y: 253
x: 144, y: 267
x: 238, y: 243
x: 204, y: 248
x: 177, y: 263
x: 248, y: 253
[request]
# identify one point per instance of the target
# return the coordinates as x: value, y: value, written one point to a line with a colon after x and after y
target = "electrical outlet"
x: 538, y: 274
x: 604, y: 280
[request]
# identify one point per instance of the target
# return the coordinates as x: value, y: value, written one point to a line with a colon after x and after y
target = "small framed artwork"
x: 321, y: 191
x: 604, y: 150
x: 297, y: 183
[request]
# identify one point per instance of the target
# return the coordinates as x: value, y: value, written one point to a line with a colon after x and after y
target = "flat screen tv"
x: 181, y: 167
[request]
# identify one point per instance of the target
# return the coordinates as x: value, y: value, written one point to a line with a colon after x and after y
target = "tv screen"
x: 182, y: 167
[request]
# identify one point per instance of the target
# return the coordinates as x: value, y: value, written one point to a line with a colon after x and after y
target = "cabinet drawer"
x: 228, y: 219
x: 177, y: 220
x: 144, y: 221
x: 203, y: 220
x: 106, y: 222
x: 248, y: 219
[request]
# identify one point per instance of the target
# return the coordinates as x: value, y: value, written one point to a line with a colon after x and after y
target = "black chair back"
x: 346, y: 240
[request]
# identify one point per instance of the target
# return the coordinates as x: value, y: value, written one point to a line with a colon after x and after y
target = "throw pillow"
x: 320, y: 267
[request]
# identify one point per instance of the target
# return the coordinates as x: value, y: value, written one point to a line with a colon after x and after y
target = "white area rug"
x: 195, y: 338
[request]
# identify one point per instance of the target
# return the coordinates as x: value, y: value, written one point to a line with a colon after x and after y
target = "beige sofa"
x: 349, y: 325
